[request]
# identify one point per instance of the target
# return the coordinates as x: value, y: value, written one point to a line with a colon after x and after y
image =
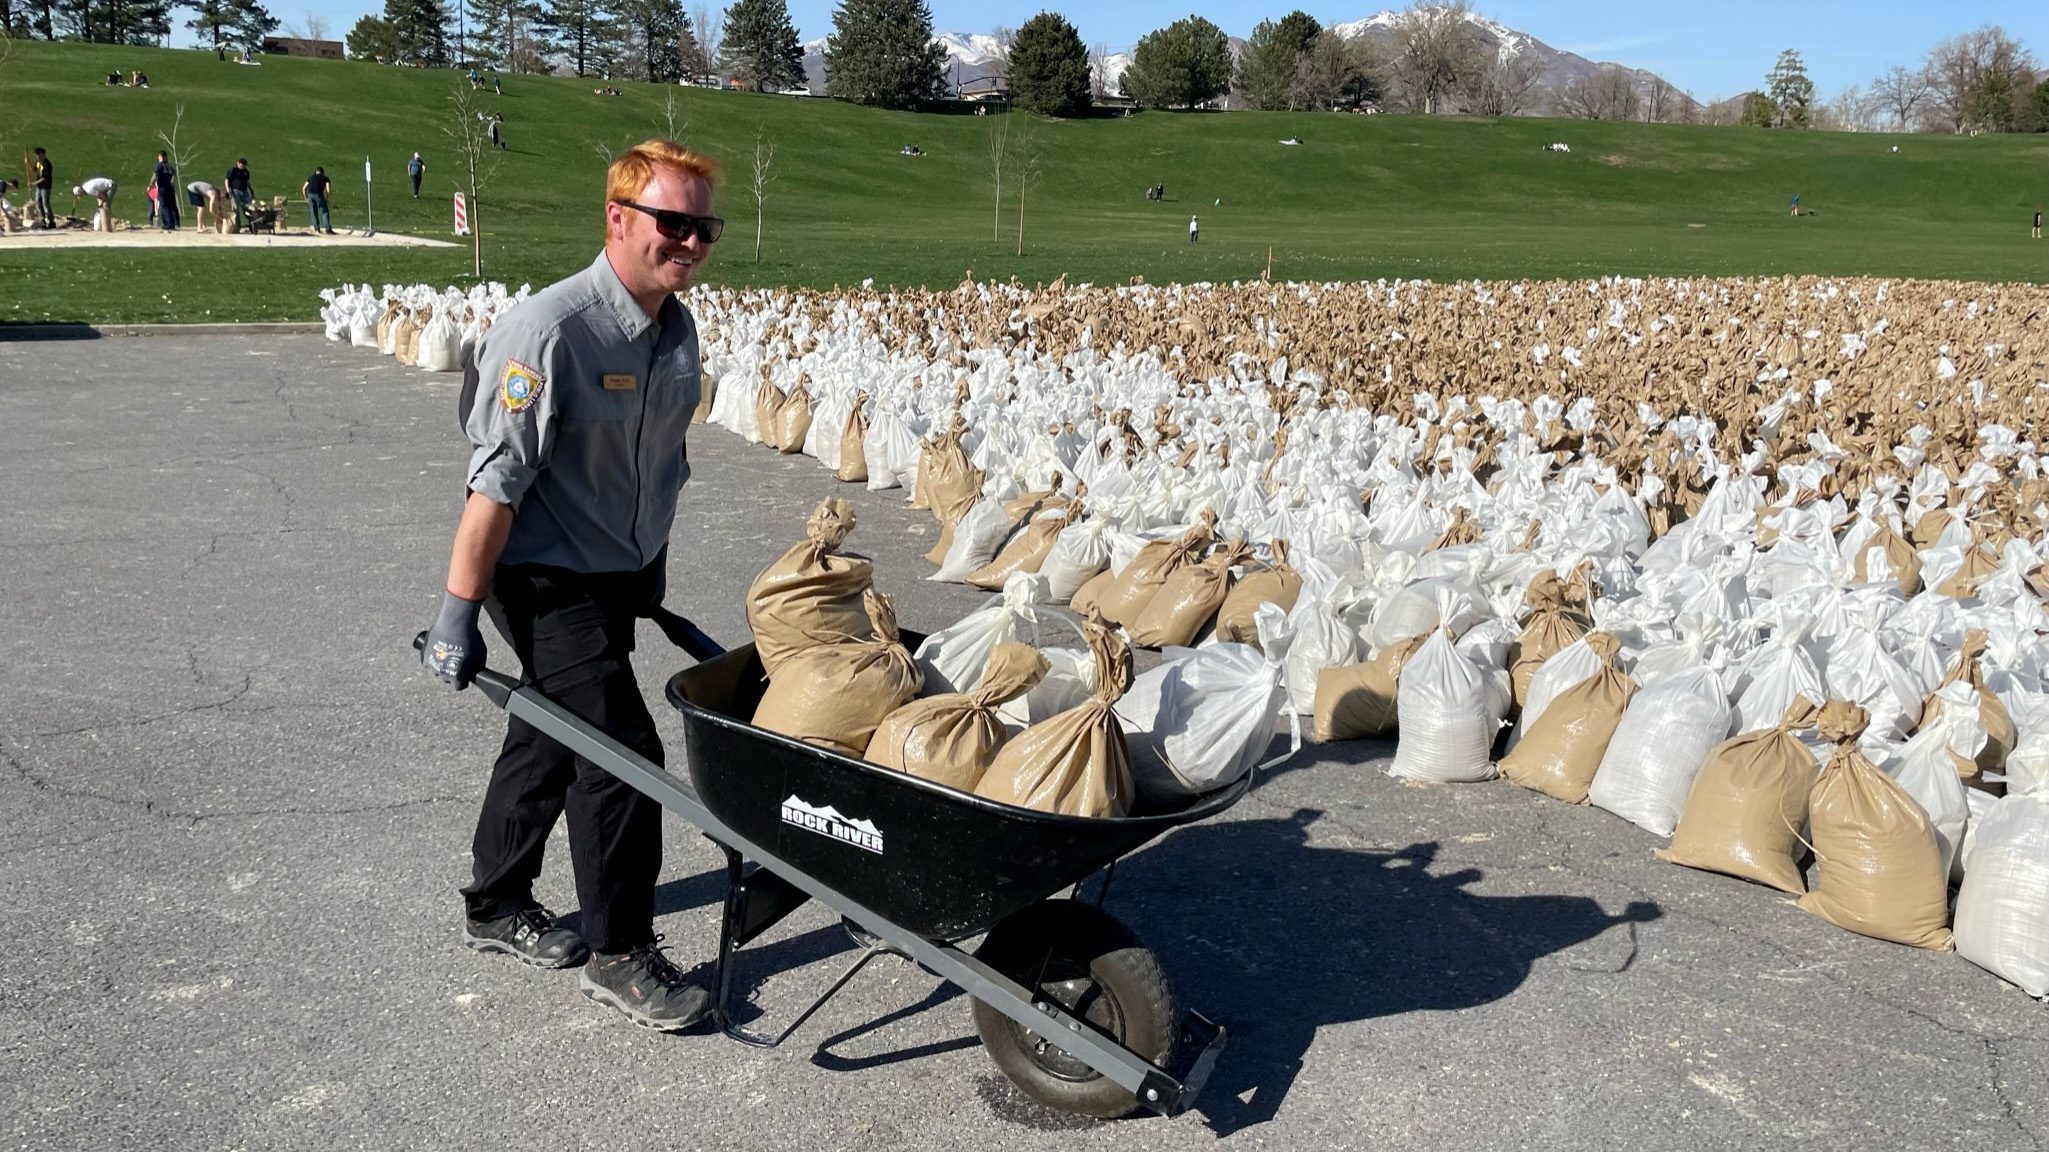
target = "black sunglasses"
x: 676, y: 225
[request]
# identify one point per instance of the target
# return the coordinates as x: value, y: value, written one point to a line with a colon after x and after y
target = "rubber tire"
x: 1130, y: 1002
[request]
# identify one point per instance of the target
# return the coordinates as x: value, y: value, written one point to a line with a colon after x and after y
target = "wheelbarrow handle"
x: 496, y: 685
x: 685, y: 635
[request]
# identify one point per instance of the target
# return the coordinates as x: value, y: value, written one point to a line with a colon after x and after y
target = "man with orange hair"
x: 577, y: 404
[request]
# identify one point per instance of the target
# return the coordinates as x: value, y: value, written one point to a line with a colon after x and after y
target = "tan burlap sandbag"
x: 811, y: 595
x: 1899, y: 556
x: 1981, y: 561
x: 1560, y: 753
x: 707, y: 395
x: 1881, y: 868
x: 2000, y: 734
x: 1188, y: 599
x: 853, y: 467
x: 1552, y: 626
x: 950, y: 482
x: 1748, y: 802
x: 768, y: 402
x: 1278, y: 583
x: 1088, y: 599
x: 1074, y: 762
x: 793, y: 422
x: 834, y: 695
x: 1025, y: 552
x: 407, y: 343
x: 1357, y: 701
x: 1131, y: 590
x: 953, y: 738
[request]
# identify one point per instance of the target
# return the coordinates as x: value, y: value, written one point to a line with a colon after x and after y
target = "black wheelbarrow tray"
x: 1071, y: 1007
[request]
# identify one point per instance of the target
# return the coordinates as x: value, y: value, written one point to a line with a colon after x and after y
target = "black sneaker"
x: 644, y: 985
x: 530, y: 936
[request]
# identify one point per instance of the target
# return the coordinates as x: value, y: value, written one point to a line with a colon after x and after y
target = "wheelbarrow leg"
x: 755, y: 902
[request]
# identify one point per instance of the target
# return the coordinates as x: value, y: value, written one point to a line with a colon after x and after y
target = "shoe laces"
x: 539, y: 919
x: 659, y: 967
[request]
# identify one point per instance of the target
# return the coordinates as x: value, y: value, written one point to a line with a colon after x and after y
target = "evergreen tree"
x: 1181, y: 65
x: 419, y: 31
x: 137, y: 22
x: 760, y: 47
x: 881, y: 53
x: 575, y: 27
x: 252, y: 23
x: 1049, y: 68
x: 233, y: 23
x: 1266, y: 73
x: 372, y: 39
x: 1789, y: 90
x: 657, y: 33
x: 504, y: 34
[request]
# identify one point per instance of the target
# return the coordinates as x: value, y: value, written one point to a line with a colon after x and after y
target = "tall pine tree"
x: 1049, y: 68
x: 760, y: 48
x: 1183, y: 64
x: 657, y: 33
x: 881, y: 53
x: 576, y: 28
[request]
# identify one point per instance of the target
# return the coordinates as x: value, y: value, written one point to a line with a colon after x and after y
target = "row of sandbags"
x: 1778, y: 571
x: 419, y: 327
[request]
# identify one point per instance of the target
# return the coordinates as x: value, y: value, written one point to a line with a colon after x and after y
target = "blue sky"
x: 1715, y: 49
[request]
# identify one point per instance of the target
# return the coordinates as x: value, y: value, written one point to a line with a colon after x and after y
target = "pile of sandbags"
x: 417, y: 326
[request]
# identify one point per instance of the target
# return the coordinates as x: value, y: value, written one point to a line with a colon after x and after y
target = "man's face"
x: 646, y: 260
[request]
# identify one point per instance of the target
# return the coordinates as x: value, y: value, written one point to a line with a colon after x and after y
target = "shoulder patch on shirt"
x: 520, y: 386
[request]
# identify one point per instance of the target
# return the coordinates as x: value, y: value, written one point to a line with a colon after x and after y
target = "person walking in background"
x: 497, y: 138
x: 166, y: 180
x: 240, y: 192
x: 2037, y: 233
x: 315, y: 191
x: 1193, y: 229
x: 101, y: 189
x: 1796, y: 203
x: 416, y: 168
x: 42, y: 177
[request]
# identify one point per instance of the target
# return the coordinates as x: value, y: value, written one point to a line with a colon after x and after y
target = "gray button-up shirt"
x: 581, y: 407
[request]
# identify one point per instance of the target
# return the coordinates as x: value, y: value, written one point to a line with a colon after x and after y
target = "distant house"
x: 294, y: 46
x: 996, y: 88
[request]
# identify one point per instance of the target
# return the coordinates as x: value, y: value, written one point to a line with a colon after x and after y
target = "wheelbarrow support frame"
x: 754, y: 904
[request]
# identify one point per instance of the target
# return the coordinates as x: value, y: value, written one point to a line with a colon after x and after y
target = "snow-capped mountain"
x: 973, y: 56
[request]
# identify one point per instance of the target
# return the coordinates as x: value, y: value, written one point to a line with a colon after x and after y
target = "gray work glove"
x: 455, y: 648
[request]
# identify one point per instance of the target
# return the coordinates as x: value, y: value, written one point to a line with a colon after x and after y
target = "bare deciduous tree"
x: 669, y: 128
x: 1099, y: 70
x: 311, y: 26
x: 1433, y: 47
x: 1606, y: 93
x: 1503, y: 85
x: 469, y: 130
x: 1027, y: 168
x: 179, y: 157
x: 1849, y: 110
x: 999, y: 150
x: 1660, y: 101
x: 764, y: 156
x: 710, y: 27
x: 1958, y: 66
x: 1901, y: 91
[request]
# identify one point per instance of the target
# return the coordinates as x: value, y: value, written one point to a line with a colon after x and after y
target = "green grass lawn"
x: 1363, y: 197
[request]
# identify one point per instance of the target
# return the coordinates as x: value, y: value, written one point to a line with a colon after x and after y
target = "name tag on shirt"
x: 621, y: 382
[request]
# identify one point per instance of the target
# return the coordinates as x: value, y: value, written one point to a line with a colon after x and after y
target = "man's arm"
x: 479, y: 539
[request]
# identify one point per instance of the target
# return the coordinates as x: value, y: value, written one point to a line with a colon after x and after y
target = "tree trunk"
x: 1020, y: 215
x: 757, y: 230
x: 476, y: 236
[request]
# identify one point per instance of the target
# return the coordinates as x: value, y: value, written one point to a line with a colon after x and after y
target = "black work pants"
x: 574, y: 635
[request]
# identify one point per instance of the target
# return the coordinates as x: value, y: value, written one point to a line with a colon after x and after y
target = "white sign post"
x: 369, y: 217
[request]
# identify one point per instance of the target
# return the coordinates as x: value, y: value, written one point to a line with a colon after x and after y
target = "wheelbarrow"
x: 1072, y: 1008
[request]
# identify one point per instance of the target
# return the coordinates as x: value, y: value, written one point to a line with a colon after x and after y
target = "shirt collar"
x: 632, y: 320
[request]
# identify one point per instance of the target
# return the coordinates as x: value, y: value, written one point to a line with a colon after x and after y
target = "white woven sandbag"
x: 977, y: 536
x: 2027, y: 766
x: 363, y: 329
x: 1323, y: 638
x: 1774, y: 674
x: 954, y: 658
x: 1665, y: 736
x: 1080, y: 551
x: 1206, y: 716
x: 885, y: 447
x: 1416, y: 608
x: 1923, y: 766
x: 1447, y: 716
x: 1070, y: 681
x: 2002, y: 912
x: 440, y: 345
x: 1555, y: 676
x: 1860, y: 670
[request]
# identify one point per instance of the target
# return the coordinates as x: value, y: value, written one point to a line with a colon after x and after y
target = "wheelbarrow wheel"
x: 1080, y: 957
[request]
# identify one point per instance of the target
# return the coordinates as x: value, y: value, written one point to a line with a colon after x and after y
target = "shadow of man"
x: 1340, y: 935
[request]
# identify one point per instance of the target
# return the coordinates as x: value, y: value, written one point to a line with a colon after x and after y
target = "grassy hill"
x: 1362, y: 197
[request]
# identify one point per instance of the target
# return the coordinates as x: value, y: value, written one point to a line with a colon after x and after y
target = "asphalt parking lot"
x: 236, y: 814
